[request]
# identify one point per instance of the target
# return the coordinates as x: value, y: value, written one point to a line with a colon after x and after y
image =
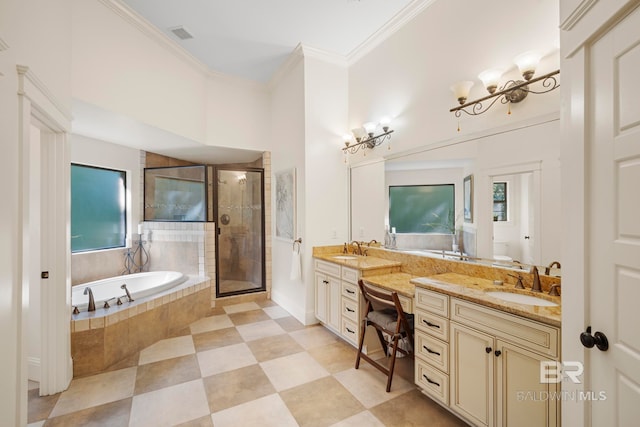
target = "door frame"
x: 214, y: 179
x: 36, y: 103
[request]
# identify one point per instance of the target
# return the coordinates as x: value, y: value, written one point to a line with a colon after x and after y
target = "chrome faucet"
x: 535, y: 286
x: 92, y: 302
x: 124, y: 286
x: 547, y: 270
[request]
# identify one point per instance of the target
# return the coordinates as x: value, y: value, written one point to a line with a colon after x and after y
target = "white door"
x: 613, y: 216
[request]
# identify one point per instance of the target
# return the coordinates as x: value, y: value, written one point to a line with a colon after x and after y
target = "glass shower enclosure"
x: 239, y: 216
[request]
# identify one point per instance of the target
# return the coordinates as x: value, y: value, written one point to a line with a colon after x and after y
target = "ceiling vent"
x: 181, y: 33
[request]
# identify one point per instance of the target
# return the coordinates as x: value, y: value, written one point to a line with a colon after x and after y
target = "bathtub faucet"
x: 124, y: 286
x: 92, y: 302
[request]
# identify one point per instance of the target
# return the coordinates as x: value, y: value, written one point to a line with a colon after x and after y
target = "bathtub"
x: 140, y: 285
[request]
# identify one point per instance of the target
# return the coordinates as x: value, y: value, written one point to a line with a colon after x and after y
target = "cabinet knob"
x: 488, y: 350
x: 497, y: 353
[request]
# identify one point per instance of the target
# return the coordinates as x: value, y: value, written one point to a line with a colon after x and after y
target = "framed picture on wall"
x: 468, y: 198
x: 286, y: 204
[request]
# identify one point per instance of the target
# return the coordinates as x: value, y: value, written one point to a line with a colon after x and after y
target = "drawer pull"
x: 430, y: 351
x: 431, y: 324
x: 350, y: 331
x: 430, y: 381
x: 349, y: 291
x: 326, y: 282
x: 350, y: 310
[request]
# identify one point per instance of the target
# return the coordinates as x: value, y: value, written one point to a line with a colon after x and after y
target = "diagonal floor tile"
x: 170, y: 406
x: 164, y: 373
x: 96, y: 390
x: 274, y: 347
x: 114, y: 414
x: 364, y: 418
x: 40, y: 407
x: 211, y: 323
x: 251, y: 316
x: 276, y: 312
x: 412, y: 409
x: 215, y: 339
x: 320, y: 403
x: 254, y: 331
x: 290, y: 323
x: 236, y: 387
x: 236, y: 308
x: 290, y: 371
x: 269, y: 411
x: 198, y: 422
x: 369, y: 385
x: 225, y: 359
x: 314, y: 336
x: 167, y: 349
x: 335, y: 357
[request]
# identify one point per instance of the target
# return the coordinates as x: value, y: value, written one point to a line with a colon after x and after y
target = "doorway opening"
x: 239, y: 215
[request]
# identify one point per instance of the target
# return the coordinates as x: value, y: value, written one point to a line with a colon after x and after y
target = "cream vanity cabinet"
x: 495, y: 372
x: 338, y: 299
x: 483, y: 363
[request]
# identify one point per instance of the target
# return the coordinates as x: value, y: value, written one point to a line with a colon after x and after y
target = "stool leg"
x: 360, y: 345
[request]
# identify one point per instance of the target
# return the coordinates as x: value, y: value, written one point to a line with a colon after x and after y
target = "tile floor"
x: 248, y: 364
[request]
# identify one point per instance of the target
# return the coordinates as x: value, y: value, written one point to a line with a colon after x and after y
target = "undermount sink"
x: 522, y: 299
x: 345, y: 257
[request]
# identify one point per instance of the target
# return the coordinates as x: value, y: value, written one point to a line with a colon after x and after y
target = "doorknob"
x: 598, y: 339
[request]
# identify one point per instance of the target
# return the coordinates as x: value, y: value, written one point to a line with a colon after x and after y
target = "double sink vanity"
x: 479, y: 341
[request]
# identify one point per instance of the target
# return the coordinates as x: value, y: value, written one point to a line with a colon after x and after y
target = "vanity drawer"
x: 350, y: 309
x: 349, y: 331
x: 433, y: 351
x: 350, y: 275
x: 535, y: 336
x: 350, y: 290
x: 406, y: 303
x: 433, y: 302
x: 432, y: 324
x: 328, y: 268
x: 433, y: 383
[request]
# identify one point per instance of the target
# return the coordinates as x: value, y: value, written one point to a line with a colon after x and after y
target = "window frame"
x: 452, y: 186
x: 504, y: 202
x: 125, y: 211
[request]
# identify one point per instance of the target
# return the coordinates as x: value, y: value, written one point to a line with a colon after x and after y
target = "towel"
x: 296, y: 272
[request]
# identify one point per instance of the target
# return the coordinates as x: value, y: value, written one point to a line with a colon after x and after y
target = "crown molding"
x: 324, y: 55
x: 148, y: 29
x: 578, y: 13
x: 403, y: 17
x: 285, y: 68
x: 31, y: 87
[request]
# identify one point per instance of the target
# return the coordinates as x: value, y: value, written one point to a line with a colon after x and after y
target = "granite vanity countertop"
x: 360, y: 262
x: 476, y: 290
x: 398, y: 282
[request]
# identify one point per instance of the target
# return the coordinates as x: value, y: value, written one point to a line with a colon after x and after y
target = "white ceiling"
x: 252, y: 38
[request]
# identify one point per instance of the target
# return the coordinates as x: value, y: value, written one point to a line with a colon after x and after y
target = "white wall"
x: 288, y: 128
x: 36, y: 34
x: 121, y: 65
x: 408, y: 76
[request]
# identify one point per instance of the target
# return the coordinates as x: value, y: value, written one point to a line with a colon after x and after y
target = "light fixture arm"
x: 512, y: 91
x: 371, y: 142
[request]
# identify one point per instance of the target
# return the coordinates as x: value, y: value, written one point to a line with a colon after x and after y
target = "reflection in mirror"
x: 527, y: 230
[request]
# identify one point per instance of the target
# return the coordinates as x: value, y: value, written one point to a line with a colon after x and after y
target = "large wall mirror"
x: 516, y: 195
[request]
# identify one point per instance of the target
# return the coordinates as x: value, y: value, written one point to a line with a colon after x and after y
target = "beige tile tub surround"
x: 99, y: 341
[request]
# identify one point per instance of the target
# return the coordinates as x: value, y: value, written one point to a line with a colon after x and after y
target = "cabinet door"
x: 471, y: 374
x: 335, y: 306
x: 521, y: 398
x: 322, y: 284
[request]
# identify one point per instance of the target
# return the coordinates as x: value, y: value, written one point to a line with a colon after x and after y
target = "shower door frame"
x: 263, y: 239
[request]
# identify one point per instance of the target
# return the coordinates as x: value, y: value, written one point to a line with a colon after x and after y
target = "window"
x: 98, y: 208
x: 499, y: 201
x: 422, y: 208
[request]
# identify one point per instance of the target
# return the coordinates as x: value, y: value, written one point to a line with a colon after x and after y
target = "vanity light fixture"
x: 512, y: 91
x: 365, y: 137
